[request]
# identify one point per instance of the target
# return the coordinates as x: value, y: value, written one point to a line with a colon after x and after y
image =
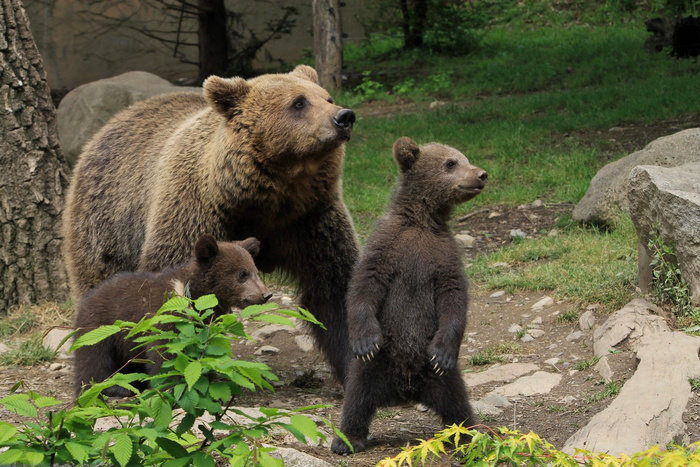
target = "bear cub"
x: 225, y: 269
x: 407, y: 302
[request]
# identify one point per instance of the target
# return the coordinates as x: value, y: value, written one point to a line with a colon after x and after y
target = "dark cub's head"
x: 437, y: 174
x: 227, y: 270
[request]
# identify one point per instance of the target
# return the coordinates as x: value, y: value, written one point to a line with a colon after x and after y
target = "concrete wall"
x: 78, y: 48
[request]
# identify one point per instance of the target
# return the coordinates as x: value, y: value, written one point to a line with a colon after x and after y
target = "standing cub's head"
x: 227, y: 270
x: 437, y: 174
x: 285, y: 116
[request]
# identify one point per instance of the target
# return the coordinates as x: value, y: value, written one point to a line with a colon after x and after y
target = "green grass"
x: 27, y: 352
x: 610, y: 391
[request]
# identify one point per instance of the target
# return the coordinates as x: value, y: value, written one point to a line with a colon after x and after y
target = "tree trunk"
x: 328, y: 43
x: 213, y: 42
x: 35, y: 174
x: 413, y: 20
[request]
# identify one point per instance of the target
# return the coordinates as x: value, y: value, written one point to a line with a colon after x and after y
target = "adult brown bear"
x: 252, y: 158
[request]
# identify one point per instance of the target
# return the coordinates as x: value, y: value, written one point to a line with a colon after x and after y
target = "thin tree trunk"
x: 213, y: 42
x: 34, y: 170
x: 328, y: 43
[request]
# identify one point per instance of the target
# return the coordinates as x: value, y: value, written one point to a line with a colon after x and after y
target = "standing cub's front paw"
x: 367, y: 347
x: 441, y: 360
x: 340, y: 447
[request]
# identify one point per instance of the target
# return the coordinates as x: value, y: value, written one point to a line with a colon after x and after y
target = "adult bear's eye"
x: 330, y: 100
x: 243, y: 275
x: 299, y: 103
x: 451, y: 164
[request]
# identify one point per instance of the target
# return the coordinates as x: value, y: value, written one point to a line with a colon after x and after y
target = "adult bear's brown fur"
x: 407, y: 303
x: 259, y: 158
x: 224, y: 269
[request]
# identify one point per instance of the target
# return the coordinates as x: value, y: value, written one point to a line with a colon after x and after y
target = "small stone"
x: 587, y: 320
x: 553, y: 233
x: 538, y: 203
x: 603, y: 368
x: 465, y: 240
x: 574, y: 336
x: 3, y: 348
x: 517, y: 233
x: 494, y: 214
x: 304, y: 342
x: 535, y: 333
x: 537, y: 321
x: 542, y: 303
x: 593, y: 307
x: 552, y: 346
x: 267, y: 350
x: 421, y: 408
x: 500, y: 293
x: 515, y: 328
x: 568, y: 400
x: 286, y: 301
x: 500, y: 264
x: 56, y: 366
x: 484, y: 408
x: 272, y: 329
x: 496, y: 400
x: 527, y: 338
x: 551, y: 361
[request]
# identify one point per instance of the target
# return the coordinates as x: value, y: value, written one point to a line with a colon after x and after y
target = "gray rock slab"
x: 52, y: 340
x: 507, y: 372
x: 482, y: 407
x: 293, y: 458
x: 607, y: 193
x: 86, y: 109
x: 669, y: 199
x: 543, y: 303
x: 603, y: 368
x: 304, y: 342
x: 541, y: 382
x: 631, y: 322
x: 660, y: 385
x: 270, y: 330
x: 587, y: 320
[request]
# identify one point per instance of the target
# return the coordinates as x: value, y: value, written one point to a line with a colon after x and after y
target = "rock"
x: 87, y: 108
x: 507, y: 372
x: 603, y: 368
x: 52, y: 340
x: 500, y: 293
x: 527, y: 338
x: 3, y: 348
x: 574, y: 336
x: 465, y: 240
x: 668, y: 198
x: 496, y: 400
x: 515, y: 328
x: 421, y: 407
x: 660, y: 385
x: 551, y: 361
x: 538, y: 203
x: 568, y: 400
x: 537, y: 321
x: 499, y: 264
x: 542, y: 303
x: 586, y: 321
x: 268, y: 331
x: 541, y: 382
x: 481, y: 407
x: 535, y: 333
x: 517, y: 233
x: 607, y: 192
x: 494, y: 214
x: 631, y: 322
x: 304, y: 342
x: 293, y: 458
x: 267, y: 350
x: 56, y: 366
x: 553, y: 233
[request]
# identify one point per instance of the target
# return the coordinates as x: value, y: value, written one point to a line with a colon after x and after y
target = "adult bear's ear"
x: 305, y: 72
x: 225, y: 94
x: 252, y: 245
x: 406, y: 152
x: 206, y: 248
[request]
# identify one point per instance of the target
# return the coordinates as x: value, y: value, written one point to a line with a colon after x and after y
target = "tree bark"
x: 413, y: 21
x: 213, y: 42
x: 35, y: 174
x: 328, y: 43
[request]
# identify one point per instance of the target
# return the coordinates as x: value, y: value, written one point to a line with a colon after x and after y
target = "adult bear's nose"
x: 344, y: 119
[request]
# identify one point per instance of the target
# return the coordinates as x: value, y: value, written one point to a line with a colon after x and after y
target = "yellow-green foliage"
x: 515, y: 448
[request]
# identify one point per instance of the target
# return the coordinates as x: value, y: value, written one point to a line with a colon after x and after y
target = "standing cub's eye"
x: 243, y: 275
x: 451, y: 164
x: 299, y: 103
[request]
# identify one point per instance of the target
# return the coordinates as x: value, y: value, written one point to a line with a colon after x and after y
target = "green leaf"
x: 7, y: 431
x: 192, y: 373
x: 95, y: 336
x: 257, y: 309
x: 178, y: 462
x: 175, y: 304
x: 161, y: 413
x: 305, y: 425
x: 266, y: 460
x: 42, y: 402
x: 122, y: 449
x: 10, y: 456
x: 189, y: 401
x: 202, y: 459
x: 275, y: 319
x: 19, y: 404
x: 173, y: 448
x: 33, y: 458
x: 78, y: 451
x: 220, y: 391
x: 185, y: 424
x: 205, y: 302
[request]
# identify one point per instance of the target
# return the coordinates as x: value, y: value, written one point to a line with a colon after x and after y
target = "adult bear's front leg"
x: 320, y: 250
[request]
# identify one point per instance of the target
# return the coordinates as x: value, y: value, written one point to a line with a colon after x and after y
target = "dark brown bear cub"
x: 225, y: 269
x: 407, y: 302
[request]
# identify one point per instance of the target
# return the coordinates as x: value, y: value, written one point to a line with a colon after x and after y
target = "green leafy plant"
x: 668, y: 286
x: 369, y: 88
x: 611, y: 390
x: 586, y: 364
x: 182, y: 418
x: 27, y: 352
x: 471, y: 447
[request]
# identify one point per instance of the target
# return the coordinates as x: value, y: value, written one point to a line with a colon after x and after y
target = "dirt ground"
x: 306, y: 380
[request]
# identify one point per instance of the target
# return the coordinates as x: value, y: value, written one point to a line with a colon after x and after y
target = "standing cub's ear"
x: 251, y: 244
x: 406, y: 152
x: 206, y: 248
x: 306, y: 72
x: 225, y: 95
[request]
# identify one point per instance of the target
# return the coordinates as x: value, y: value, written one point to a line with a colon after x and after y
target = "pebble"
x: 574, y: 336
x: 304, y: 342
x: 421, y: 408
x: 515, y: 328
x: 552, y: 361
x: 542, y: 303
x: 56, y: 366
x: 500, y: 293
x: 517, y: 233
x: 267, y: 350
x: 536, y: 333
x: 465, y: 240
x: 527, y: 338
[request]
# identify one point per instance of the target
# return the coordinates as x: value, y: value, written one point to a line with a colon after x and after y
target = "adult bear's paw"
x: 367, y: 347
x: 340, y: 447
x: 442, y: 360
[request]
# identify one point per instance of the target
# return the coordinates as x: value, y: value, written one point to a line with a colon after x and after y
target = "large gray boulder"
x: 669, y: 199
x: 606, y: 195
x: 87, y: 108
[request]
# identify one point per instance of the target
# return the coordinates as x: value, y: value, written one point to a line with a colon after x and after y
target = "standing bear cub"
x: 407, y: 303
x: 250, y: 158
x: 225, y: 269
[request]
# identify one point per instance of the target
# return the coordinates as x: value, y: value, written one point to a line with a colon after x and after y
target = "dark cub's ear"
x: 225, y: 95
x: 206, y: 248
x: 306, y: 72
x: 406, y: 152
x: 251, y: 244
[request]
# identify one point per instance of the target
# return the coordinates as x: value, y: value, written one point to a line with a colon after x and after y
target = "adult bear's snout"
x: 344, y: 119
